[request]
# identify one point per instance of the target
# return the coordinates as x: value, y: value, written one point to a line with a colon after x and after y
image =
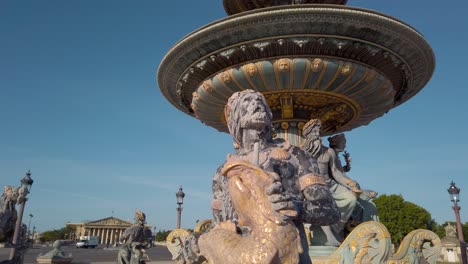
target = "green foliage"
x: 56, y: 234
x: 401, y: 217
x: 441, y: 229
x: 465, y: 231
x: 52, y: 235
x: 162, y: 235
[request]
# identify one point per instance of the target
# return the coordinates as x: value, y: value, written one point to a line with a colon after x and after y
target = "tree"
x: 52, y: 235
x: 465, y: 230
x: 401, y: 217
x: 441, y: 230
x: 162, y: 235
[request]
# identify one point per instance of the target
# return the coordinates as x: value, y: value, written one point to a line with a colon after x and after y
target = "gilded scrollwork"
x: 369, y: 243
x: 418, y: 244
x: 334, y: 111
x: 202, y: 226
x: 175, y: 241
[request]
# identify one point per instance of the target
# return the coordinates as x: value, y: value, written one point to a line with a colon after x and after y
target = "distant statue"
x: 9, y: 198
x: 135, y: 240
x: 56, y: 255
x: 344, y: 190
x: 293, y: 191
x: 450, y: 230
x: 8, y: 213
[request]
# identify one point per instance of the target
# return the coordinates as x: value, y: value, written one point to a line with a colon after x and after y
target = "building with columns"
x: 109, y: 229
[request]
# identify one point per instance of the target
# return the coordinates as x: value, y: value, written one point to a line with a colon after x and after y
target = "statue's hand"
x: 346, y: 168
x: 279, y: 199
x: 354, y: 185
x: 370, y: 194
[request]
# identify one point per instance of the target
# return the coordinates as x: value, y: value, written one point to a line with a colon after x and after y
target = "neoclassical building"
x: 450, y: 252
x: 109, y: 229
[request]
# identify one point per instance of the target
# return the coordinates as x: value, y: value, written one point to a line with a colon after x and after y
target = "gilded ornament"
x: 310, y: 179
x: 416, y: 245
x: 280, y: 154
x: 252, y: 69
x: 287, y: 110
x: 365, y: 244
x: 175, y: 241
x: 370, y: 75
x: 225, y: 77
x: 346, y: 69
x: 283, y: 65
x: 195, y: 96
x: 202, y: 226
x: 317, y: 65
x: 208, y: 86
x: 300, y: 125
x: 284, y: 125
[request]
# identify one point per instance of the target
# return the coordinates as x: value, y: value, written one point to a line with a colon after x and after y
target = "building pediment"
x: 109, y: 221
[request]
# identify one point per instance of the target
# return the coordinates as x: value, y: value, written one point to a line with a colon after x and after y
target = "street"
x: 90, y: 255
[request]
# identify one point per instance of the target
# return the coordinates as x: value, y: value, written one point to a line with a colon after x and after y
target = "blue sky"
x: 80, y: 107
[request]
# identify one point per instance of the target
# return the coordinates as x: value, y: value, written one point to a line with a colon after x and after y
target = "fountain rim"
x: 254, y: 15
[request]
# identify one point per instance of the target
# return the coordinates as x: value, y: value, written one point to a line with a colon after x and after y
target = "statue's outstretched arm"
x: 338, y: 174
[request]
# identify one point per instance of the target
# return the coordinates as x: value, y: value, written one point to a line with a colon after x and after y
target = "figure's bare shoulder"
x: 331, y: 152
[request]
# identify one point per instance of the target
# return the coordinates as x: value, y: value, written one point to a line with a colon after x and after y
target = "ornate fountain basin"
x: 341, y: 64
x: 238, y: 6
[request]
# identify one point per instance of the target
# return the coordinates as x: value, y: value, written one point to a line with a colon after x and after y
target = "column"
x: 101, y: 237
x: 107, y: 236
x: 94, y: 231
x: 112, y: 236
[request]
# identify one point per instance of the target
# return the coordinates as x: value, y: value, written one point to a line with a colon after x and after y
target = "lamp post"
x: 454, y: 197
x: 33, y: 231
x: 29, y: 225
x: 180, y: 200
x: 26, y: 184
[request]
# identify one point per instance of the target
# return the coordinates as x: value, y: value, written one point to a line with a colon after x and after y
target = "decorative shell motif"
x: 280, y: 154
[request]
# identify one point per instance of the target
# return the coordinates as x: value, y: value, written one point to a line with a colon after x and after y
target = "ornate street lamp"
x: 33, y: 231
x: 26, y: 184
x: 454, y: 197
x: 29, y: 225
x: 180, y: 200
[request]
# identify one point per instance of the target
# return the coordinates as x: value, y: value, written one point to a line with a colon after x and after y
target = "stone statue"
x: 450, y: 230
x: 338, y: 144
x: 55, y: 256
x: 8, y: 213
x: 345, y: 190
x: 365, y: 209
x: 135, y: 239
x: 247, y: 185
x: 295, y: 194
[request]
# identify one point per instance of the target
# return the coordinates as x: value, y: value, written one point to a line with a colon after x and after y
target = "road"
x: 90, y: 255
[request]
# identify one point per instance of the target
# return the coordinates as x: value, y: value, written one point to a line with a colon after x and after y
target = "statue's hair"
x: 140, y: 216
x: 310, y: 125
x: 336, y: 139
x: 308, y: 144
x: 233, y: 115
x: 9, y: 190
